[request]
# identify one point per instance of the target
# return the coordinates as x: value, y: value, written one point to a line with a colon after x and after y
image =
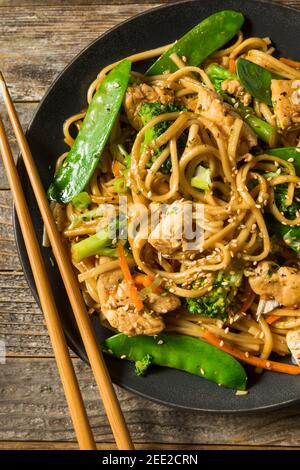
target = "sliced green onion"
x: 120, y: 185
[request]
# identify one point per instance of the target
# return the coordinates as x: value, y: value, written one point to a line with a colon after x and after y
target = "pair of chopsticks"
x: 66, y: 370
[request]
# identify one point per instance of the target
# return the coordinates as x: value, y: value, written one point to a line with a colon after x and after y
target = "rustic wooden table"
x: 37, y: 39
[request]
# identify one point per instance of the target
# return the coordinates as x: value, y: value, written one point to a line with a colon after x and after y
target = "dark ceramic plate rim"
x: 26, y: 268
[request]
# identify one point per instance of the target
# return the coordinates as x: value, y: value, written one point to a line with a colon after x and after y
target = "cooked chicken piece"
x: 293, y: 342
x: 136, y: 95
x: 286, y: 102
x: 163, y: 303
x: 233, y: 87
x: 118, y: 309
x: 122, y: 315
x: 211, y: 106
x: 280, y: 284
x: 168, y: 235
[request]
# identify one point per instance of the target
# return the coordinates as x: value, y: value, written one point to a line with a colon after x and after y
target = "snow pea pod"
x: 255, y: 79
x: 82, y: 159
x: 201, y: 41
x: 291, y: 154
x: 180, y: 352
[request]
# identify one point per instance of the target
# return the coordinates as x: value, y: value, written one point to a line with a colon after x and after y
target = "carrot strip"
x: 247, y: 358
x: 133, y: 292
x: 116, y: 168
x: 232, y: 67
x: 146, y: 281
x: 271, y: 318
x: 291, y: 63
x: 192, y: 105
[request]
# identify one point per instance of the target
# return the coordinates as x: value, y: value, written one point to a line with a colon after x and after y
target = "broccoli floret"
x: 216, y: 302
x: 142, y: 365
x: 149, y: 111
x: 280, y: 193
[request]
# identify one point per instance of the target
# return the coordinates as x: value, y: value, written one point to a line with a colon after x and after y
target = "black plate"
x: 67, y: 96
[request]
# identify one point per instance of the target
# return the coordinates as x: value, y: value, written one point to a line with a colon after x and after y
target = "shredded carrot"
x: 249, y: 359
x: 133, y: 292
x: 116, y: 168
x: 146, y: 281
x: 192, y: 105
x: 232, y: 67
x: 291, y: 63
x: 271, y: 318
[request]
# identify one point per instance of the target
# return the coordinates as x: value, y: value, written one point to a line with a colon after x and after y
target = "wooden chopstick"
x: 94, y: 353
x: 65, y: 367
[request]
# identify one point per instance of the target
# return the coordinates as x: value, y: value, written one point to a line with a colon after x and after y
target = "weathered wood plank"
x: 45, y: 445
x: 8, y: 254
x: 28, y: 3
x: 41, y: 47
x: 25, y: 112
x: 33, y: 407
x: 21, y: 320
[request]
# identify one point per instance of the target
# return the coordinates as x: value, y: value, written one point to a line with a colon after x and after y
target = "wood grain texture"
x: 32, y: 405
x: 50, y: 445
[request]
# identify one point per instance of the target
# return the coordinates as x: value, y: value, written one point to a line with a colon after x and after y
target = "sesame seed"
x: 221, y: 343
x: 268, y: 364
x: 246, y: 354
x: 160, y: 341
x: 226, y: 331
x: 241, y: 392
x: 123, y: 356
x: 290, y: 160
x: 202, y: 371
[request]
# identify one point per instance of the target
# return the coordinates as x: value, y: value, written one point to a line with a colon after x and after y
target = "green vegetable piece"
x: 120, y: 185
x: 255, y: 79
x: 82, y: 159
x: 91, y: 246
x: 218, y: 74
x: 216, y: 302
x: 149, y: 111
x: 82, y: 200
x: 290, y: 235
x: 181, y: 352
x: 201, y: 41
x: 261, y: 128
x: 287, y: 153
x: 141, y: 367
x: 201, y: 179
